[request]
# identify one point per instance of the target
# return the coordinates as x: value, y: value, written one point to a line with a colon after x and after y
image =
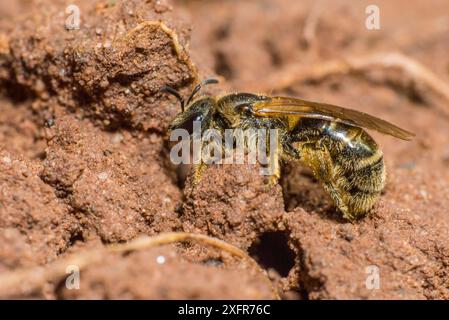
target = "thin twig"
x: 311, y: 23
x: 21, y: 282
x: 181, y: 53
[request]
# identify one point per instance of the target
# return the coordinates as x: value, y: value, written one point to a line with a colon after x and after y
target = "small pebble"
x: 213, y: 262
x: 423, y: 194
x: 7, y: 160
x: 104, y: 83
x: 117, y: 138
x: 346, y: 232
x: 103, y: 175
x: 166, y: 200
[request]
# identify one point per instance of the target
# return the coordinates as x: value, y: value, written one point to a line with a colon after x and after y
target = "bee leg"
x: 306, y: 137
x: 317, y: 157
x: 274, y: 158
x: 290, y: 152
x: 275, y: 168
x: 206, y: 159
x: 337, y: 197
x: 198, y: 170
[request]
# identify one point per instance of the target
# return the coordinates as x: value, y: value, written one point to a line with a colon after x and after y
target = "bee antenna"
x: 199, y: 86
x: 174, y: 92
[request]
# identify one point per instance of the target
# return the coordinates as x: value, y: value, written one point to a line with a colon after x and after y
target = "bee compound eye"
x: 245, y: 109
x: 188, y: 122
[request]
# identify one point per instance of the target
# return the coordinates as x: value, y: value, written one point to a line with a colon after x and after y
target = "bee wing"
x: 283, y: 106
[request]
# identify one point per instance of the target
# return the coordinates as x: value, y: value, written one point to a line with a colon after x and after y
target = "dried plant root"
x: 179, y: 49
x: 25, y: 281
x: 318, y: 72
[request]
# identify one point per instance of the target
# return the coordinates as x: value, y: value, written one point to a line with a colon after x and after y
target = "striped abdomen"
x: 349, y: 163
x: 359, y: 170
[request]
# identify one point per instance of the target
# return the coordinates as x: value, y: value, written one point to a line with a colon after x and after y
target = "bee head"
x: 198, y: 110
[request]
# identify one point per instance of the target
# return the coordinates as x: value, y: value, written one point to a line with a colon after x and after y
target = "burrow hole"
x: 271, y: 250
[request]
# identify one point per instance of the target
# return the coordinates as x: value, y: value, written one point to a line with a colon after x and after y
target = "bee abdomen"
x: 348, y: 162
x: 368, y: 178
x: 360, y: 176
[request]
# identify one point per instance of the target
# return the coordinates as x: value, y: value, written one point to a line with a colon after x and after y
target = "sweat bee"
x: 329, y: 139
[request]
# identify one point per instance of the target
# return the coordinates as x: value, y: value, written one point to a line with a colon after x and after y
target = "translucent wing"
x: 283, y: 106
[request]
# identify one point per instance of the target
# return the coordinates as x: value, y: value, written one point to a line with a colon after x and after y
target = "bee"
x: 329, y: 139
